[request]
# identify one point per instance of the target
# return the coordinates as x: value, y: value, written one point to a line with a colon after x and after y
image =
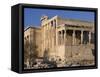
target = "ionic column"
x: 49, y: 35
x: 64, y: 36
x: 89, y: 37
x: 58, y: 38
x: 56, y: 34
x: 73, y: 37
x: 63, y: 32
x: 61, y: 38
x: 81, y: 36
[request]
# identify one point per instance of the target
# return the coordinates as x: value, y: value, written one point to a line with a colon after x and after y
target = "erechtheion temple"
x: 64, y: 40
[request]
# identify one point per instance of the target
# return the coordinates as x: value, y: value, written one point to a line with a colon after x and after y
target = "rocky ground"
x: 52, y: 64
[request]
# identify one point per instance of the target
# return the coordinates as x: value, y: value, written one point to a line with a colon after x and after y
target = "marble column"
x: 65, y: 36
x: 81, y: 36
x: 89, y: 37
x: 73, y: 37
x: 59, y: 38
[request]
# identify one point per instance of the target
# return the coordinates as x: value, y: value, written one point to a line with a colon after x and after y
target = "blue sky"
x: 32, y: 15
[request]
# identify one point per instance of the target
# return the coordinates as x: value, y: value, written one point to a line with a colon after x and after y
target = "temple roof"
x: 31, y: 26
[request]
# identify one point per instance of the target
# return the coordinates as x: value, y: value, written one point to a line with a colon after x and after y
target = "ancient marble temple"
x: 62, y: 40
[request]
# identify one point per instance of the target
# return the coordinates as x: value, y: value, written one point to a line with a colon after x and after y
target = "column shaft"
x: 61, y: 37
x: 89, y: 37
x: 64, y: 36
x: 58, y: 38
x: 81, y: 37
x: 73, y: 37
